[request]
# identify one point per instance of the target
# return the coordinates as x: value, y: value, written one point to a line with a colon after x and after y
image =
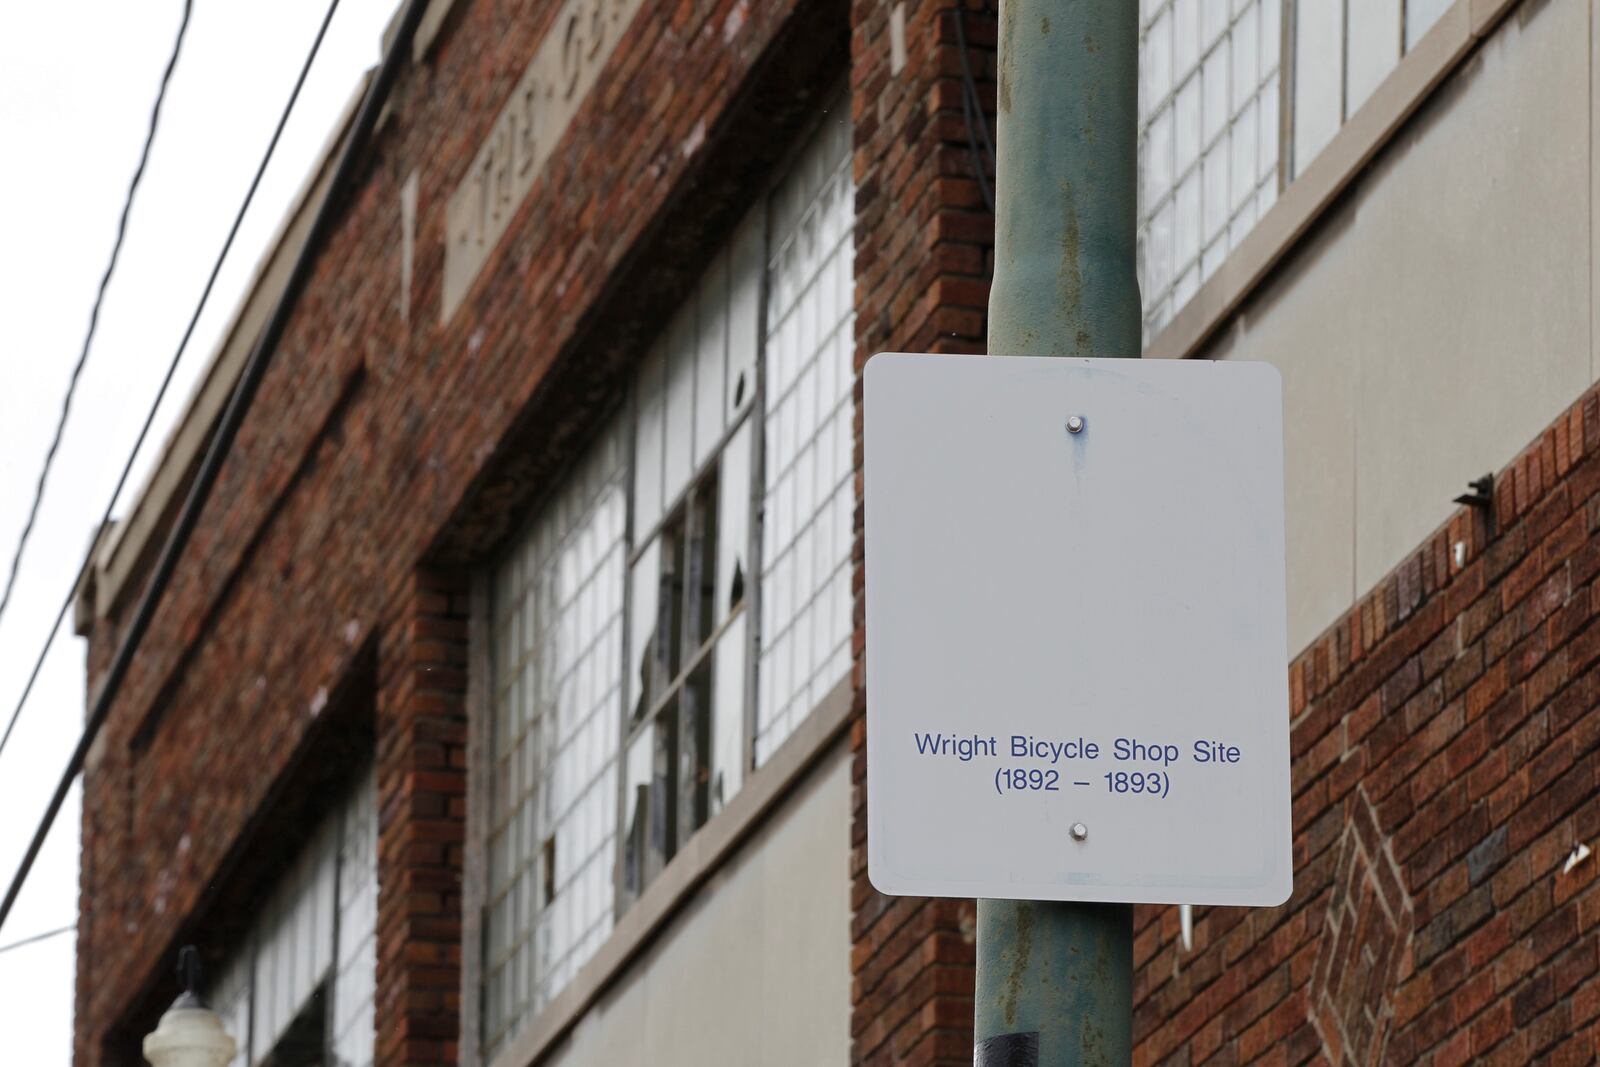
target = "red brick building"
x: 505, y: 708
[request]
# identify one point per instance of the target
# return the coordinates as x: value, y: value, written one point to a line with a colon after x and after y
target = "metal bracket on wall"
x: 1481, y: 498
x: 1482, y: 494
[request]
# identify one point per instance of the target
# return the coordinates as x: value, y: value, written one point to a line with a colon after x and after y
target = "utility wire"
x: 226, y: 431
x: 94, y: 312
x: 972, y: 105
x: 183, y: 344
x: 39, y: 937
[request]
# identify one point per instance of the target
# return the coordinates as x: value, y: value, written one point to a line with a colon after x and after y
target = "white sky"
x: 76, y: 85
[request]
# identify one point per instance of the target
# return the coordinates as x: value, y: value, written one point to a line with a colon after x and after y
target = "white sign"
x: 1077, y: 663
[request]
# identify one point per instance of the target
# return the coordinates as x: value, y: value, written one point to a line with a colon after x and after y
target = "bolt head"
x: 1075, y: 424
x: 1079, y: 831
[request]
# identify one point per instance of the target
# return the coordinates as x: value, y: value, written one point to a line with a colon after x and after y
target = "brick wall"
x: 1446, y: 759
x: 1445, y: 763
x: 924, y: 256
x: 421, y: 735
x: 385, y: 456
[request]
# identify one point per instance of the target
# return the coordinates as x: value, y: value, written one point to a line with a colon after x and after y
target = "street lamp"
x: 189, y: 1034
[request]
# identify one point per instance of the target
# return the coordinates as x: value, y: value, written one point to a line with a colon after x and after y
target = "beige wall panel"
x: 1319, y: 447
x: 756, y: 970
x: 805, y: 1015
x: 1476, y: 285
x: 1438, y: 318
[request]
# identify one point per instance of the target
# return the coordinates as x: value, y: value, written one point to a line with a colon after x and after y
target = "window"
x: 631, y: 691
x: 1208, y: 142
x: 1343, y: 51
x: 693, y: 540
x: 808, y: 492
x: 557, y: 699
x: 300, y: 988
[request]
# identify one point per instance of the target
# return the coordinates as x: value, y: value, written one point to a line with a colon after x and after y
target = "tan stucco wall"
x: 756, y: 970
x: 1438, y: 317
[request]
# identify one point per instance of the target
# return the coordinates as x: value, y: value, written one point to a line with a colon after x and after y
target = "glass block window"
x: 1343, y: 51
x: 807, y: 493
x: 690, y: 565
x: 355, y: 973
x: 556, y: 706
x: 300, y: 984
x: 1208, y: 143
x: 631, y: 688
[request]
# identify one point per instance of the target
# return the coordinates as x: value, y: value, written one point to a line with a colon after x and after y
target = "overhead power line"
x: 172, y: 366
x: 36, y: 938
x: 227, y: 429
x: 94, y: 312
x: 972, y: 112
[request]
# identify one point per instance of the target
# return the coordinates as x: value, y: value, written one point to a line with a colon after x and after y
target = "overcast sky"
x: 76, y: 84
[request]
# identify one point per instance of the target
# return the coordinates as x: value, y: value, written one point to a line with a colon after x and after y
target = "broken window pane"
x: 744, y: 314
x: 733, y: 524
x: 644, y: 613
x: 711, y: 351
x: 694, y: 752
x: 647, y: 451
x: 680, y: 405
x: 728, y: 703
x: 700, y: 566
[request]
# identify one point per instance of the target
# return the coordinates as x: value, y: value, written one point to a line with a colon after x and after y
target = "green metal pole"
x: 1055, y: 981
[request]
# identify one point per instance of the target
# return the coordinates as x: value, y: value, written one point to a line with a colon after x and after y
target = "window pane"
x: 744, y: 314
x: 1186, y: 222
x: 1157, y: 173
x: 554, y: 753
x: 733, y: 523
x: 680, y: 404
x: 1372, y: 50
x: 648, y: 437
x: 692, y: 778
x: 1215, y: 87
x: 1242, y: 167
x: 1420, y: 17
x: 1216, y: 191
x: 1245, y: 53
x: 728, y: 701
x: 1155, y: 62
x: 315, y: 934
x: 1186, y: 126
x: 1241, y: 224
x: 1271, y: 33
x: 805, y: 398
x: 1213, y: 21
x: 699, y: 567
x: 1212, y: 257
x: 643, y: 616
x: 711, y: 351
x: 1267, y: 133
x: 1317, y: 90
x: 1158, y: 249
x: 636, y: 821
x: 1185, y: 37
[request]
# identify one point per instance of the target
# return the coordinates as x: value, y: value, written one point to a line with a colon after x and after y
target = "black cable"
x: 94, y: 312
x: 172, y: 367
x: 36, y: 938
x: 227, y: 429
x: 970, y: 104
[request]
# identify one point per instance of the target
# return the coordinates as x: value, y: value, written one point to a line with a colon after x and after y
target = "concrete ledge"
x: 711, y: 846
x: 1412, y: 81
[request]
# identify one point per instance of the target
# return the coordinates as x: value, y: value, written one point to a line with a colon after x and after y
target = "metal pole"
x: 1055, y: 981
